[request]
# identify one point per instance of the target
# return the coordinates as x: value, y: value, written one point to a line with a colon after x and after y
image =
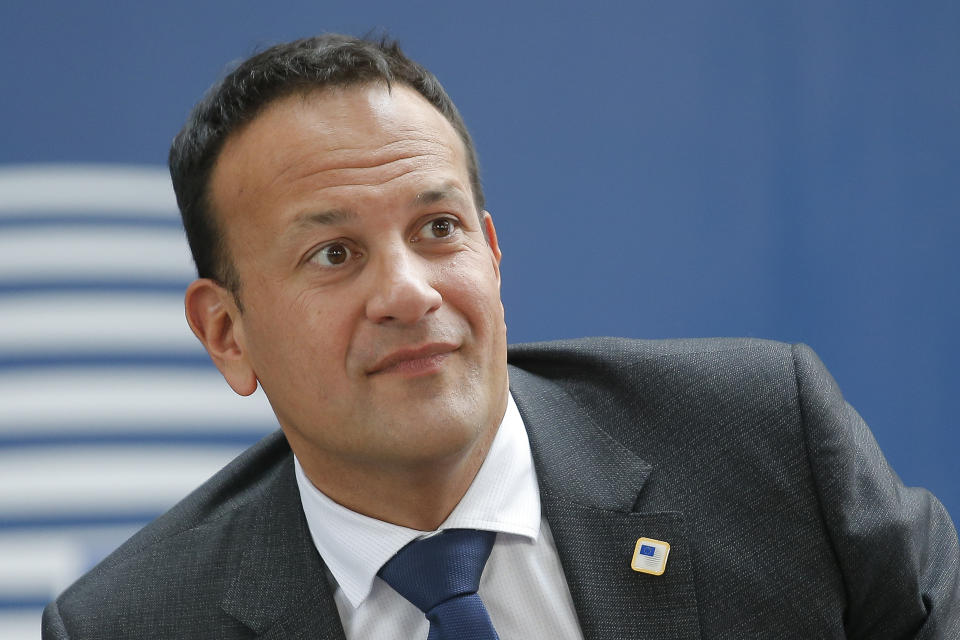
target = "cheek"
x: 472, y: 287
x: 298, y: 338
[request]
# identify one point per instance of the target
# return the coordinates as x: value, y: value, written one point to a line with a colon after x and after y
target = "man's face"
x: 371, y: 303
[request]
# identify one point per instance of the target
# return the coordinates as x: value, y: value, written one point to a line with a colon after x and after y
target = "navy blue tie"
x: 440, y: 576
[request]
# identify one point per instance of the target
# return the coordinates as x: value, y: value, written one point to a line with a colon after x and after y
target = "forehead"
x: 334, y: 136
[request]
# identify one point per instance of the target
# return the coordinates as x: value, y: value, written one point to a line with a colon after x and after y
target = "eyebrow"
x: 445, y: 192
x: 332, y: 217
x: 324, y: 218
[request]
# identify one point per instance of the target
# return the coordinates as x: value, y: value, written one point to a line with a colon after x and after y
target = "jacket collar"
x: 576, y: 460
x: 592, y: 493
x: 280, y: 588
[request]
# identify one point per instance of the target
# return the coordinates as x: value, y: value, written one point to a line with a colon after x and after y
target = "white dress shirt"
x: 523, y: 586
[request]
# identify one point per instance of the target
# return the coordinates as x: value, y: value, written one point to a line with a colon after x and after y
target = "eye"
x: 438, y: 228
x: 333, y: 255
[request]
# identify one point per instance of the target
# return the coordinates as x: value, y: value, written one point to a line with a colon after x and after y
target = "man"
x: 614, y: 488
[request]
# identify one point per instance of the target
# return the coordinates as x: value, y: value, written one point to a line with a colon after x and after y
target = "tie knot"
x: 430, y: 571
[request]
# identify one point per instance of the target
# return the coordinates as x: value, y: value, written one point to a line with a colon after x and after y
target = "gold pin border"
x: 636, y: 549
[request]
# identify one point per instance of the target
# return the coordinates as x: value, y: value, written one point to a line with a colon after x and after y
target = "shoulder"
x: 629, y: 351
x: 616, y: 361
x: 179, y: 558
x: 659, y: 397
x: 228, y: 494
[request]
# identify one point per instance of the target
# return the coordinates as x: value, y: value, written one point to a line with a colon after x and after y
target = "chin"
x: 444, y: 431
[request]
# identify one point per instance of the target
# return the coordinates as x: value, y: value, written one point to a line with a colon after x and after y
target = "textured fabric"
x: 783, y: 517
x: 440, y: 575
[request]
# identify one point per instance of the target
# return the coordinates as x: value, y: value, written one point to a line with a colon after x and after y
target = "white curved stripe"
x: 47, y: 560
x: 95, y: 253
x: 95, y: 323
x: 88, y: 480
x: 120, y: 400
x: 82, y: 188
x: 20, y: 625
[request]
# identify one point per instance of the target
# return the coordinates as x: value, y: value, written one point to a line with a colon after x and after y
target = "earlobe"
x: 215, y: 320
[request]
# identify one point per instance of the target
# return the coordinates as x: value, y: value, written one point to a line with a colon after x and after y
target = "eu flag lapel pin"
x: 650, y: 556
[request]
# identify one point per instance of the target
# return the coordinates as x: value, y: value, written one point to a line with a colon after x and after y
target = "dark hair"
x: 329, y: 60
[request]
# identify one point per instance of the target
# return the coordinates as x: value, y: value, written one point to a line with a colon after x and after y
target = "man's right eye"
x: 333, y: 255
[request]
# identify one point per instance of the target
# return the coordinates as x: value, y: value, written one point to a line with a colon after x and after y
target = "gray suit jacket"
x: 783, y: 517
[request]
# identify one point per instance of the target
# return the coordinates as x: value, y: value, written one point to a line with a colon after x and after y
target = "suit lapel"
x: 280, y: 589
x: 591, y: 489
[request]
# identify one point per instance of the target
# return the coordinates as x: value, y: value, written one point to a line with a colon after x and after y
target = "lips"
x: 417, y: 358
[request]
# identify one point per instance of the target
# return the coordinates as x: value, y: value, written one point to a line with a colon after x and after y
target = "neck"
x: 414, y: 494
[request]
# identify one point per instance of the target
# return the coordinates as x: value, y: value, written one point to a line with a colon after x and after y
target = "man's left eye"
x: 438, y: 228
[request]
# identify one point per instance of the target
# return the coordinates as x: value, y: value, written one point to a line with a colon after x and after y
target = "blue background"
x: 656, y: 169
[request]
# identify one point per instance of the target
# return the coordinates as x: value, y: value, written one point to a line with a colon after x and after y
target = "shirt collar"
x: 503, y: 497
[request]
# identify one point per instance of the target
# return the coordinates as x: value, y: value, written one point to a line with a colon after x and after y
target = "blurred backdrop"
x: 785, y: 170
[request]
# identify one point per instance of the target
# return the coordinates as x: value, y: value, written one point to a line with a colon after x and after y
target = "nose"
x: 402, y: 289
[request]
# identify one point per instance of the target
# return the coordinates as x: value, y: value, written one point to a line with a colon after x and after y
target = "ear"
x: 215, y: 319
x: 492, y: 241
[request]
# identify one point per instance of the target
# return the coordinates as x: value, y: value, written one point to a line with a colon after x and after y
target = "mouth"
x: 418, y: 360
